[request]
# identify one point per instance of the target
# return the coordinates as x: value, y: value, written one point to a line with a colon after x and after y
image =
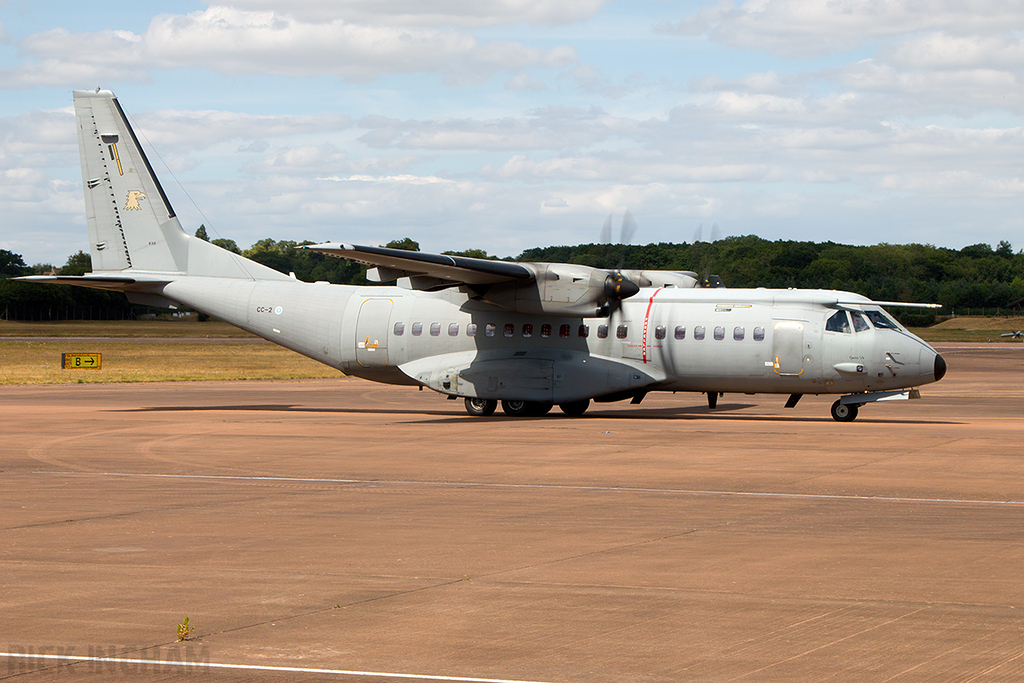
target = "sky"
x: 509, y: 124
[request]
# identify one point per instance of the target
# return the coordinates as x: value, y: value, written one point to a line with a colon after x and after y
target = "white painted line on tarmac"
x: 259, y: 667
x: 545, y: 487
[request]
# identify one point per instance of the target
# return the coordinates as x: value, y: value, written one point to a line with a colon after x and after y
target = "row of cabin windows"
x: 565, y: 331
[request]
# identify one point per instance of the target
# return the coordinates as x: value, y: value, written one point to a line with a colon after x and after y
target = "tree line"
x: 974, y: 278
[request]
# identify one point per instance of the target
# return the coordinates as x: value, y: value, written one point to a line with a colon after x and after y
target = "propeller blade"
x: 628, y: 228
x: 606, y: 231
x: 696, y: 235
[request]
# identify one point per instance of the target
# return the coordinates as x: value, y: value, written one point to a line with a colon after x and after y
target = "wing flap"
x: 392, y: 264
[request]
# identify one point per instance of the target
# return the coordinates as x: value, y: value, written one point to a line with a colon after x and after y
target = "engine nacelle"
x: 576, y: 290
x: 682, y: 279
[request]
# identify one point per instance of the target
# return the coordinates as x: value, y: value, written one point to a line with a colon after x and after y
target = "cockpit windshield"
x: 838, y: 322
x: 881, y: 320
x: 859, y: 323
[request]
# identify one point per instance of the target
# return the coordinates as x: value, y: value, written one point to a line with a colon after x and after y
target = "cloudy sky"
x: 508, y: 124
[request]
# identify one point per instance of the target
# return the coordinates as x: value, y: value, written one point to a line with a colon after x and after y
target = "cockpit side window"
x: 838, y: 322
x: 881, y: 320
x: 859, y: 323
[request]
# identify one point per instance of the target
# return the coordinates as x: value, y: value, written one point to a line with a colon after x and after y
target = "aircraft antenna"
x: 138, y: 129
x: 206, y: 221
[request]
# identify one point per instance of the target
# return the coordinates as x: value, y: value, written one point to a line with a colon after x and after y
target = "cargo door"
x: 372, y: 332
x: 788, y: 348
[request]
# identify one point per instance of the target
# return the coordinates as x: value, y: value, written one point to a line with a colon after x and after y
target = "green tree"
x: 201, y: 233
x: 469, y: 253
x: 226, y: 244
x: 12, y: 265
x: 406, y: 243
x: 78, y: 263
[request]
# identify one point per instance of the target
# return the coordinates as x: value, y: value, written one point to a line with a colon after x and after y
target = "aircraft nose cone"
x: 940, y: 367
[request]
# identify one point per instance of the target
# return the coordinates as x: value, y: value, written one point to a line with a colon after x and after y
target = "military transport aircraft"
x: 530, y: 335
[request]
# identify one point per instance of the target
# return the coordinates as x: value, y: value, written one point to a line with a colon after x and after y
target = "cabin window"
x: 859, y: 323
x: 659, y: 332
x: 490, y: 329
x: 564, y: 331
x: 758, y: 334
x: 698, y: 332
x: 399, y: 329
x: 545, y: 330
x: 738, y: 333
x: 527, y: 329
x: 453, y: 329
x: 602, y: 331
x: 471, y: 330
x: 838, y: 322
x: 510, y: 330
x: 584, y: 331
x: 435, y: 329
x: 719, y: 333
x: 417, y: 329
x: 621, y: 331
x: 680, y: 331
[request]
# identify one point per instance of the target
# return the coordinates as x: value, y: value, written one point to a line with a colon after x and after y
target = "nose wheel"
x: 844, y: 412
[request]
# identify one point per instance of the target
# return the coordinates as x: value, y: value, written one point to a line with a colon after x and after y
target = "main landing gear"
x: 482, y: 407
x: 844, y: 412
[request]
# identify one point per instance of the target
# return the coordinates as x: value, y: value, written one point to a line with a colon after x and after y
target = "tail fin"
x: 132, y: 226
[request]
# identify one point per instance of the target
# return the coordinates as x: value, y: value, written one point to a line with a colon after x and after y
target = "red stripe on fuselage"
x: 647, y: 319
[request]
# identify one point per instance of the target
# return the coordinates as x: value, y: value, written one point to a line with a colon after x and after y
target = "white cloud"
x: 523, y: 81
x: 550, y: 128
x: 592, y: 79
x: 538, y: 147
x: 945, y: 51
x: 796, y: 28
x: 190, y: 130
x: 464, y: 13
x: 327, y: 161
x: 233, y: 41
x: 40, y: 138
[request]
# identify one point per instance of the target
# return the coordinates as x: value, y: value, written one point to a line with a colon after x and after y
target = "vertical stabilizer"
x: 131, y: 223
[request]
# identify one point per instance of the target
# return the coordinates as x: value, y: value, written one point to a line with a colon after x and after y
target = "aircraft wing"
x: 426, y: 271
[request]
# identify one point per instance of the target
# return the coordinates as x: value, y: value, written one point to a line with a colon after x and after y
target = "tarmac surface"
x: 337, y: 530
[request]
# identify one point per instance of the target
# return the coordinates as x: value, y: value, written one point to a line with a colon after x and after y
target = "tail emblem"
x: 132, y: 203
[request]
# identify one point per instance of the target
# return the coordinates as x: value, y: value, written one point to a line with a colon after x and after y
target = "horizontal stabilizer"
x: 110, y: 282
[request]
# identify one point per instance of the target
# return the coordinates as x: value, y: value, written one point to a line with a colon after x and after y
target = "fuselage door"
x: 788, y: 348
x: 372, y: 332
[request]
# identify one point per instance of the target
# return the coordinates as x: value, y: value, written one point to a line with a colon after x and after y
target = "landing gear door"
x: 372, y: 332
x: 788, y: 348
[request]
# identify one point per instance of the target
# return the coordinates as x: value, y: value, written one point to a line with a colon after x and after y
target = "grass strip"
x: 40, y: 362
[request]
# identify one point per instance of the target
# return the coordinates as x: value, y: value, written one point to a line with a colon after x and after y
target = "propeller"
x: 617, y: 286
x: 708, y: 280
